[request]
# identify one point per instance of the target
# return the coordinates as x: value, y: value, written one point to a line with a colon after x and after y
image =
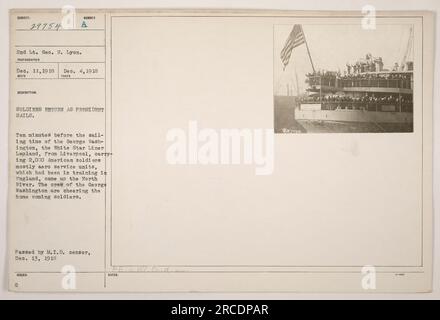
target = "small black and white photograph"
x: 342, y: 78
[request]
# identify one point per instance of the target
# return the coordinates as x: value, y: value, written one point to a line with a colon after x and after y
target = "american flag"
x: 296, y: 38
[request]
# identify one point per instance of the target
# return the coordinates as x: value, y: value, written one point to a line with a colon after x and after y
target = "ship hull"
x: 319, y: 126
x: 354, y: 116
x: 354, y: 121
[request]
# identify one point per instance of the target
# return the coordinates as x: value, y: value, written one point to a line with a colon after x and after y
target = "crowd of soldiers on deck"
x: 360, y: 76
x: 367, y: 68
x: 393, y: 80
x: 377, y: 76
x: 365, y: 99
x: 369, y: 64
x: 367, y: 72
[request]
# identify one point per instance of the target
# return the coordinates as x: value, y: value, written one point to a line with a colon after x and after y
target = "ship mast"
x: 408, y: 48
x: 308, y: 50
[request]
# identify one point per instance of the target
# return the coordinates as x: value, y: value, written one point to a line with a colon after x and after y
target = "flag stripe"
x: 295, y: 39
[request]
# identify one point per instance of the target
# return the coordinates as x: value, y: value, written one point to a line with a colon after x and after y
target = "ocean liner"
x: 365, y: 97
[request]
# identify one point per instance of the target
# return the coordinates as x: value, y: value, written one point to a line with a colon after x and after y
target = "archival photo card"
x: 154, y: 151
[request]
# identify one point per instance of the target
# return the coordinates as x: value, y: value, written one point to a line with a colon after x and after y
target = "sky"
x: 332, y: 46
